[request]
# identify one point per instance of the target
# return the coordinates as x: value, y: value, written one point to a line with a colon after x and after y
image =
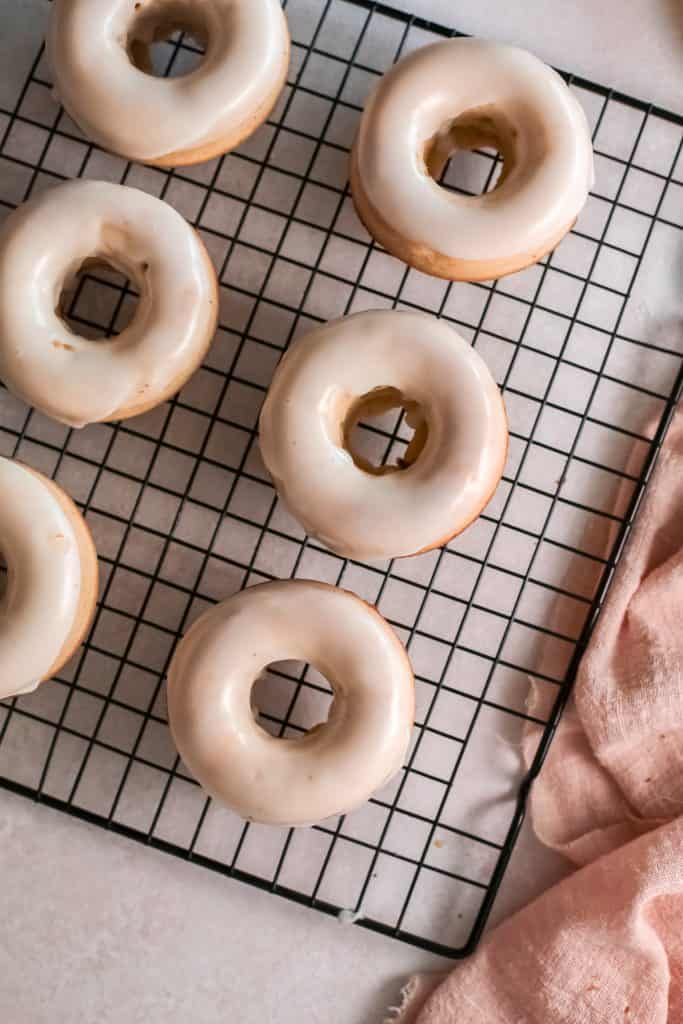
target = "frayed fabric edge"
x: 413, y: 995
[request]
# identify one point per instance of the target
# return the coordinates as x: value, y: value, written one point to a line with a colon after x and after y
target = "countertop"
x: 97, y: 928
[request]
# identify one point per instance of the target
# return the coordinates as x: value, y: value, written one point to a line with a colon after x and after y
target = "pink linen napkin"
x: 606, y: 944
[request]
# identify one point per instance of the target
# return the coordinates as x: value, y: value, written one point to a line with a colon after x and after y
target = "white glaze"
x: 553, y: 166
x: 356, y: 513
x: 43, y: 243
x: 334, y: 767
x: 44, y: 579
x: 147, y: 118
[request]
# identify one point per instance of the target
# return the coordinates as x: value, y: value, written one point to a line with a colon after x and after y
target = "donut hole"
x: 4, y: 578
x: 384, y: 431
x: 97, y: 301
x: 472, y: 153
x: 289, y: 699
x: 167, y: 38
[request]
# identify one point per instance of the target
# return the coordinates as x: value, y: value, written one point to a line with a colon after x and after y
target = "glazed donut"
x: 99, y: 54
x: 365, y: 364
x: 42, y: 246
x: 336, y: 765
x: 466, y: 93
x: 51, y: 584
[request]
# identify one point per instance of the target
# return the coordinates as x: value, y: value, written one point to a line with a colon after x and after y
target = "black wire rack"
x: 183, y: 512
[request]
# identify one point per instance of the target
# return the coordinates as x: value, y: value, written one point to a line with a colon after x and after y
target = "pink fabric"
x: 606, y: 944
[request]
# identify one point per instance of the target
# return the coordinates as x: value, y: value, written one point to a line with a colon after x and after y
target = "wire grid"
x: 183, y: 513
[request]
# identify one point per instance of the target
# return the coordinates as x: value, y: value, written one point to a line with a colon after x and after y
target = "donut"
x: 44, y: 243
x: 362, y: 365
x: 336, y: 765
x: 51, y: 581
x: 99, y: 54
x: 467, y: 93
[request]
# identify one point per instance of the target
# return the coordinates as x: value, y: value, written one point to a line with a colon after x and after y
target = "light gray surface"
x: 634, y: 46
x: 97, y: 928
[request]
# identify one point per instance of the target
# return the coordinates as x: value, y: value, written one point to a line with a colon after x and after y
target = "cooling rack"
x: 183, y: 513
